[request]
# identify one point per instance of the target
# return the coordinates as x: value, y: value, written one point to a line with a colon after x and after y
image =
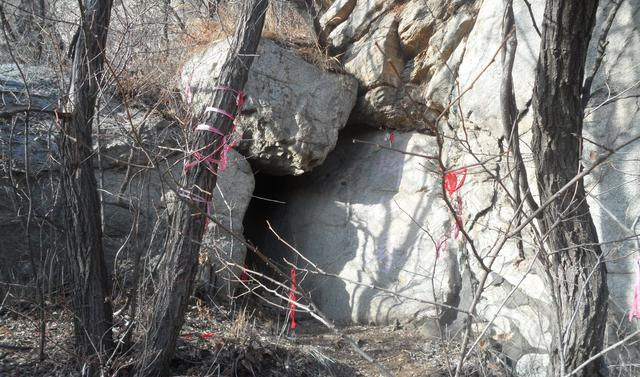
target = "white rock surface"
x: 372, y: 216
x: 532, y: 365
x: 481, y: 104
x: 222, y: 255
x: 613, y: 115
x: 610, y: 116
x: 515, y: 298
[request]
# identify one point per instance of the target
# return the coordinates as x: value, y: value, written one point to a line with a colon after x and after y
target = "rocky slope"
x: 367, y: 215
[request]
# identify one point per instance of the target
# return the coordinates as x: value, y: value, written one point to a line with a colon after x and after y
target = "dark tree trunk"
x: 577, y: 274
x: 180, y: 260
x: 92, y: 297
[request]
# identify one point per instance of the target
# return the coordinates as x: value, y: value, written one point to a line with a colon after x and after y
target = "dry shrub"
x: 241, y: 324
x: 289, y: 26
x: 283, y: 25
x: 202, y: 32
x: 152, y: 71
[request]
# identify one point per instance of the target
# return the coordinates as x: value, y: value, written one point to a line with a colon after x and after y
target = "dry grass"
x: 241, y: 323
x: 153, y: 68
x: 282, y: 25
x: 285, y: 26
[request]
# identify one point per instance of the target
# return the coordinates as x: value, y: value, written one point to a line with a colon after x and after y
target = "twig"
x: 394, y: 149
x: 313, y: 310
x: 601, y: 353
x: 533, y: 19
x: 602, y: 47
x: 320, y: 271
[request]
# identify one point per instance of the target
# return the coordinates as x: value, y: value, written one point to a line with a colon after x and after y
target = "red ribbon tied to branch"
x: 292, y: 299
x: 454, y: 179
x: 635, y: 306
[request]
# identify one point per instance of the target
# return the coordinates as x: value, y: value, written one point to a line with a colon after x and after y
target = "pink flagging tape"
x: 223, y: 156
x: 244, y: 276
x: 224, y: 146
x: 292, y: 299
x: 219, y: 111
x: 207, y: 334
x: 209, y: 162
x: 208, y: 128
x: 635, y: 306
x: 391, y: 137
x: 239, y: 94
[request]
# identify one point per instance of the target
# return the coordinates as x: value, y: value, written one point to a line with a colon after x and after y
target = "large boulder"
x: 375, y: 222
x: 360, y: 216
x: 293, y: 112
x: 136, y: 167
x: 609, y: 118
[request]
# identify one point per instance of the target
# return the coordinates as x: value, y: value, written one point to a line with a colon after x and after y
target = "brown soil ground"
x: 223, y: 341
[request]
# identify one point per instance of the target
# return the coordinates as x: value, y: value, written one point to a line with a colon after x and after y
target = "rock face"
x: 139, y: 167
x: 346, y: 216
x: 375, y: 217
x: 223, y: 255
x: 293, y: 112
x: 372, y: 219
x: 372, y: 216
x: 608, y: 122
x: 394, y: 49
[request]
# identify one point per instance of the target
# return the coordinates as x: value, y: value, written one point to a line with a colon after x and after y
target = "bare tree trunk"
x: 577, y: 274
x: 180, y: 260
x: 92, y: 296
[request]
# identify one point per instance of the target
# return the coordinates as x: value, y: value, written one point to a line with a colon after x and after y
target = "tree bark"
x: 187, y: 219
x: 92, y: 296
x: 576, y: 272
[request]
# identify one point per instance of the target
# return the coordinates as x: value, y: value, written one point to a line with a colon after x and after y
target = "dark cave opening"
x: 269, y: 196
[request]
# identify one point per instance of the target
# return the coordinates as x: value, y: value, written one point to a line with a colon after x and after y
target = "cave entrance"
x: 267, y: 204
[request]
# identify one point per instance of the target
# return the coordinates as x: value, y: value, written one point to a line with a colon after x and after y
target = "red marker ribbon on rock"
x: 635, y: 306
x: 292, y: 299
x: 453, y: 181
